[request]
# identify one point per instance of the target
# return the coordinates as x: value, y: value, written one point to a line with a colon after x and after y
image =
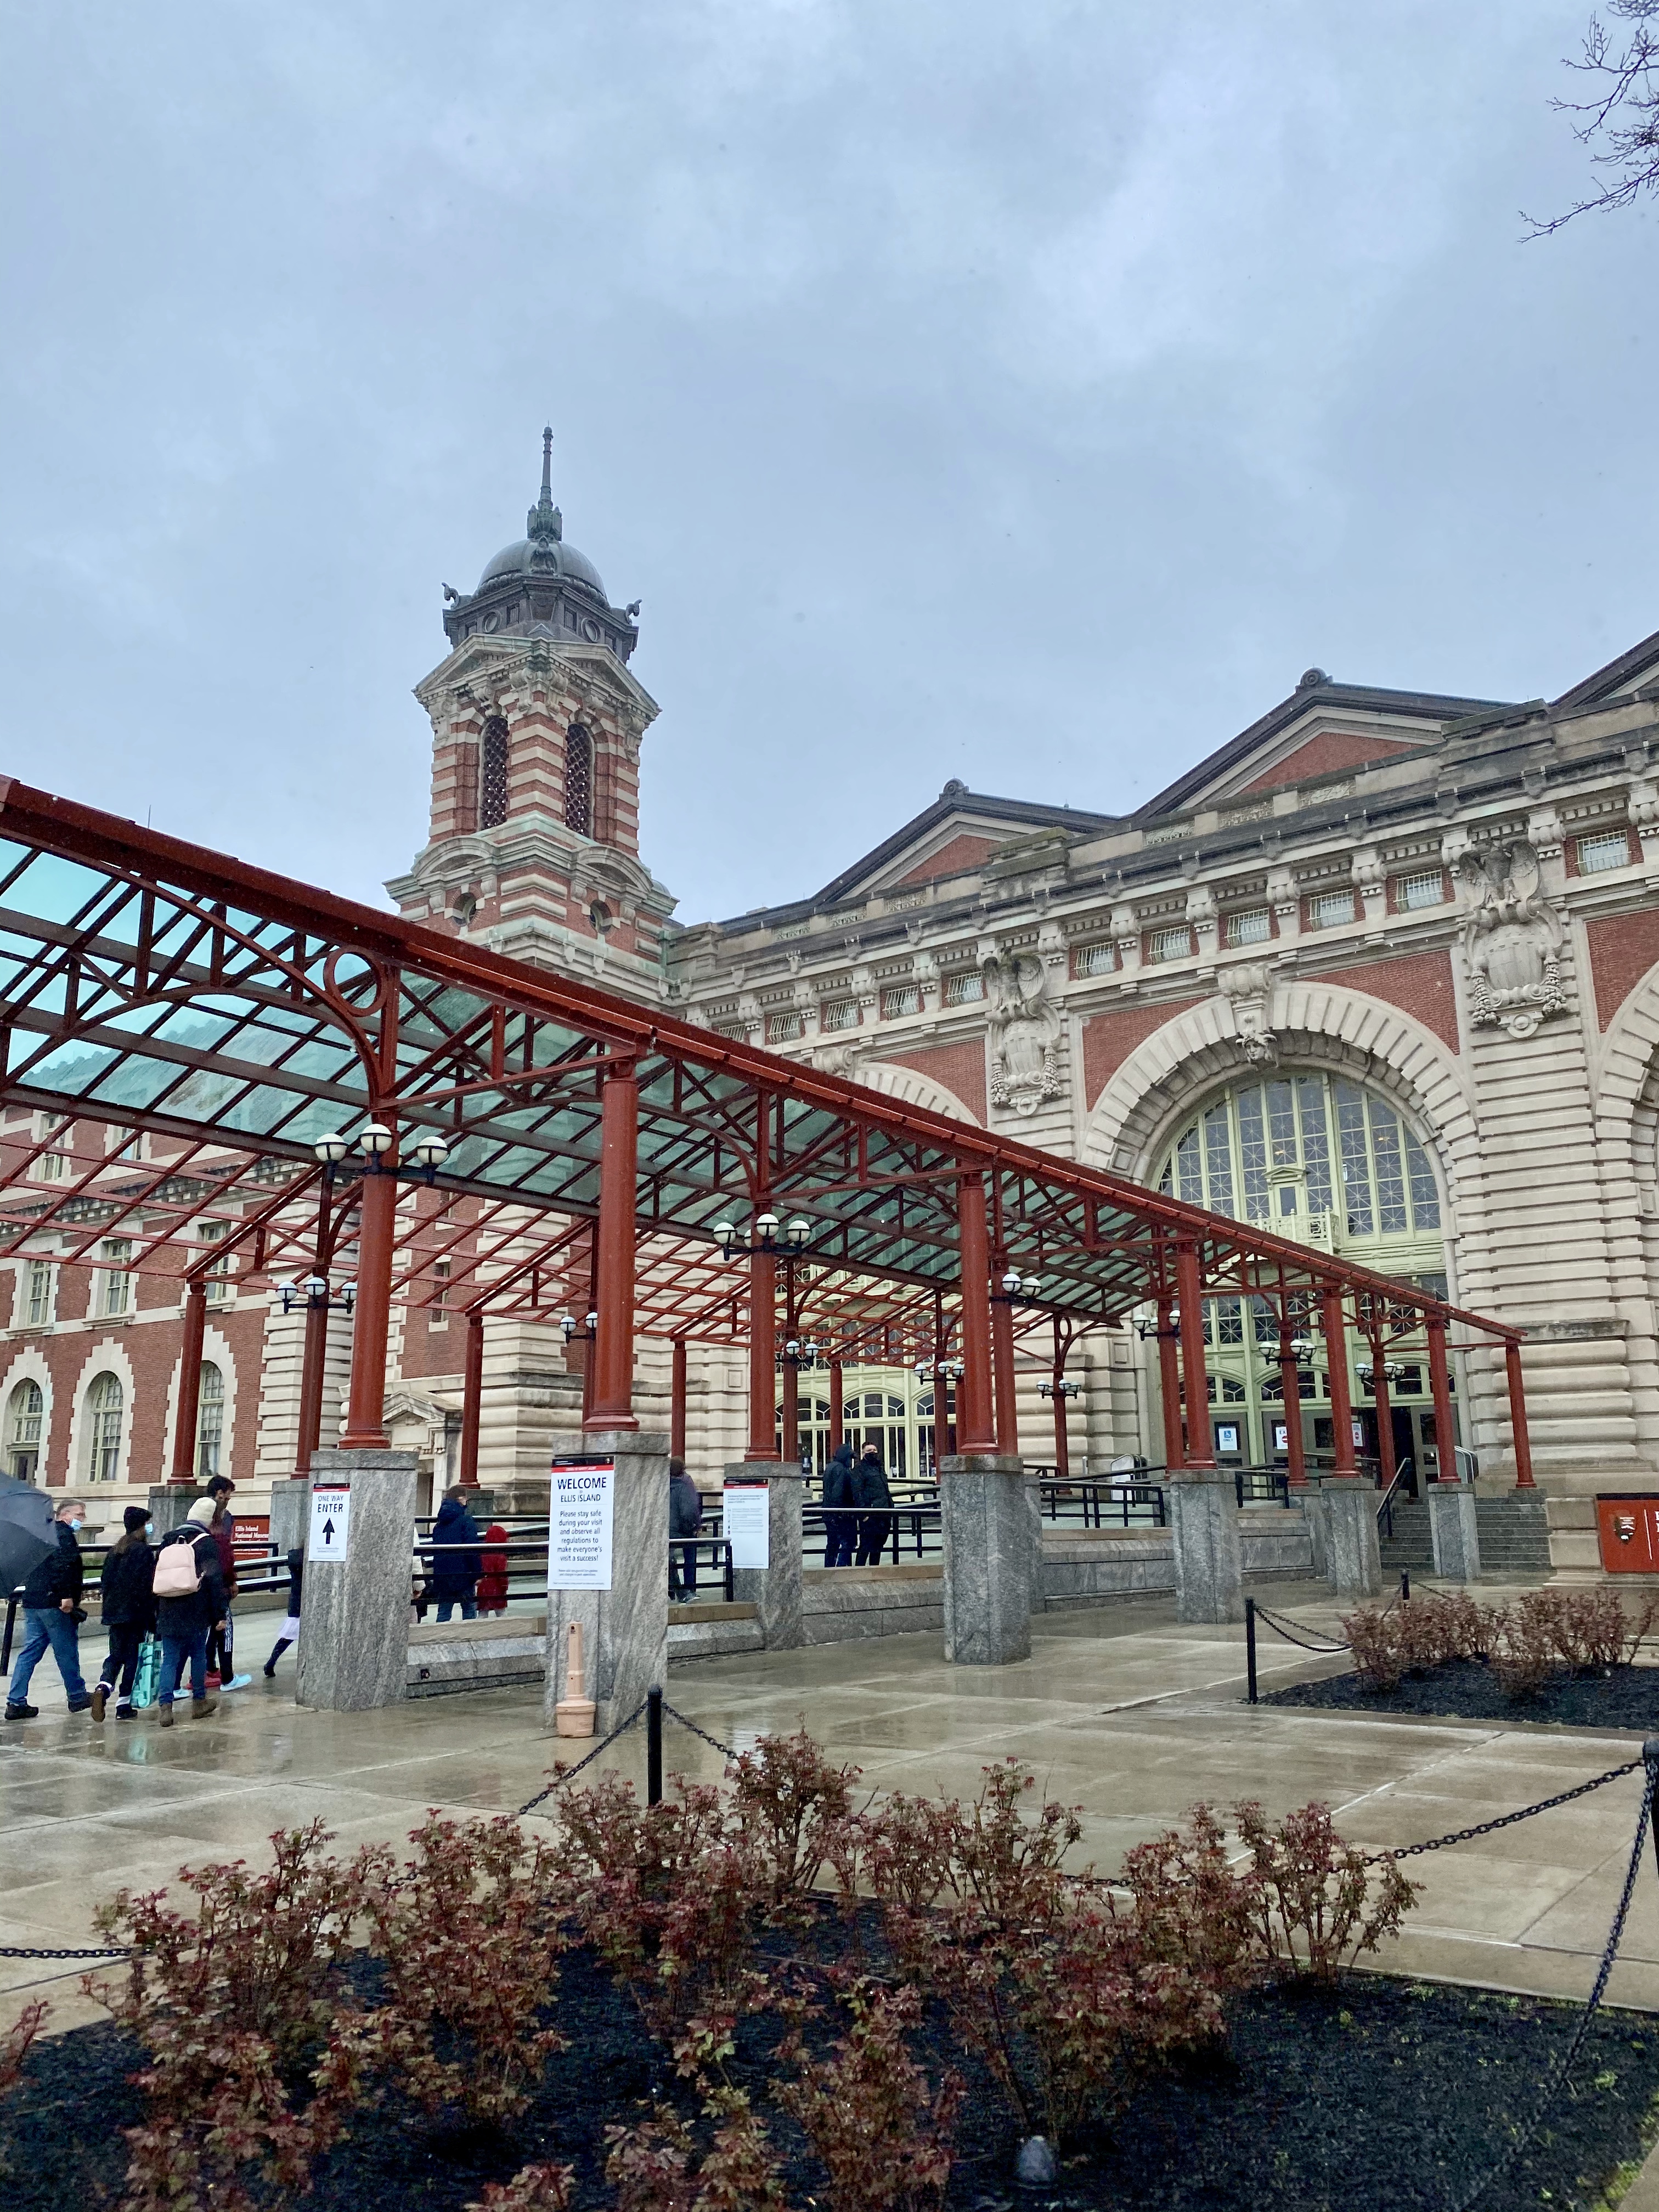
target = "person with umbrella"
x: 52, y: 1616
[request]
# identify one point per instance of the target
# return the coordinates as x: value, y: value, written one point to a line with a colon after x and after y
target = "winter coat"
x: 454, y: 1573
x: 223, y: 1533
x: 192, y: 1616
x: 297, y: 1574
x: 870, y: 1485
x: 840, y: 1487
x: 59, y: 1574
x: 684, y: 1506
x: 492, y: 1584
x: 127, y: 1600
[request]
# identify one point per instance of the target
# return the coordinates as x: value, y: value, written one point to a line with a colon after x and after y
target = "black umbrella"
x: 27, y: 1534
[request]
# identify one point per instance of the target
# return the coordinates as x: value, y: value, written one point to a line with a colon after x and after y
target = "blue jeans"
x: 43, y: 1626
x: 175, y: 1650
x: 469, y: 1606
x: 840, y: 1532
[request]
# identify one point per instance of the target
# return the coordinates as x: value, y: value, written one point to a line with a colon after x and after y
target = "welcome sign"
x: 582, y: 1516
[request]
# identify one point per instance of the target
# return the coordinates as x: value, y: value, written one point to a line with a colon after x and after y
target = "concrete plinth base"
x: 1454, y: 1529
x: 1353, y: 1561
x: 169, y: 1505
x: 290, y: 1509
x: 625, y: 1628
x: 1209, y: 1571
x: 1313, y: 1512
x: 776, y: 1591
x: 354, y: 1656
x: 988, y: 1527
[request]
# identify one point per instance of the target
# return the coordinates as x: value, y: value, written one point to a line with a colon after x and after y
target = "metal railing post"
x: 653, y: 1746
x: 1249, y: 1646
x: 11, y: 1624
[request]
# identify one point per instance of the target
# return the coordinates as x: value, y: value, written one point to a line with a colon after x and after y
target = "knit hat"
x: 203, y: 1511
x: 135, y: 1516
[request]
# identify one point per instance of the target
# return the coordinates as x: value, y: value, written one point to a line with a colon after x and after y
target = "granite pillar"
x: 290, y: 1509
x: 776, y: 1591
x: 985, y: 1506
x: 169, y: 1505
x: 624, y: 1628
x: 1204, y: 1518
x: 1353, y: 1561
x: 1454, y: 1531
x: 1313, y: 1511
x: 354, y: 1654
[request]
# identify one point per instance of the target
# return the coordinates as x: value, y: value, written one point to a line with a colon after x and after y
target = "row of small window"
x: 112, y: 1288
x: 105, y: 1411
x: 1409, y: 1382
x: 962, y: 989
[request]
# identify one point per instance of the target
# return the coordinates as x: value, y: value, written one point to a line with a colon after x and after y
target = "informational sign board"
x: 1281, y: 1437
x: 748, y: 1509
x: 1628, y: 1524
x: 331, y: 1521
x: 581, y: 1523
x: 1226, y: 1437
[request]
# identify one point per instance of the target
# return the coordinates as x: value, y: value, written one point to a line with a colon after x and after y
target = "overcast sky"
x: 1026, y: 394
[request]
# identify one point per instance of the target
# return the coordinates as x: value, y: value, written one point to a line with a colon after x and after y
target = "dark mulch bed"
x: 1465, y: 1689
x: 1382, y: 2095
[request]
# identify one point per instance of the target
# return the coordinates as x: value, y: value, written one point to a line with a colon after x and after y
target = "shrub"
x: 1312, y: 1896
x: 15, y: 2049
x: 1390, y: 1641
x: 235, y: 2009
x: 532, y: 2189
x: 882, y: 2136
x: 1190, y: 1908
x: 471, y: 1940
x: 793, y: 1804
x: 650, y: 2167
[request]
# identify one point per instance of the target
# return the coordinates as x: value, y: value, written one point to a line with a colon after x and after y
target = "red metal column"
x: 835, y: 1407
x: 763, y: 1350
x: 790, y: 1448
x: 677, y: 1402
x: 1168, y: 1376
x: 1384, y: 1415
x: 311, y: 1385
x: 976, y: 1427
x: 190, y: 1380
x: 1200, y: 1436
x: 377, y: 1224
x: 611, y: 1402
x: 1517, y: 1418
x: 1290, y: 1378
x: 1445, y: 1427
x: 1002, y: 1366
x: 472, y: 1400
x: 1336, y: 1359
x: 1062, y: 1443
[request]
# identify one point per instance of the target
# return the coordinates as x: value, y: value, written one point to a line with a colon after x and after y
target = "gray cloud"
x: 1026, y: 395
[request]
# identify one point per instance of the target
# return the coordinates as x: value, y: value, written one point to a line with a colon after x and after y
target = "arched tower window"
x: 492, y: 777
x: 579, y: 781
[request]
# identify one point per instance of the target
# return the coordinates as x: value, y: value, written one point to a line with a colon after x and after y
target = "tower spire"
x: 544, y: 520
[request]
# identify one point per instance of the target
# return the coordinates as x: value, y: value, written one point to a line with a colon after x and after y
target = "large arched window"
x: 209, y: 1420
x: 492, y: 774
x: 579, y: 781
x: 105, y: 1402
x: 24, y: 1411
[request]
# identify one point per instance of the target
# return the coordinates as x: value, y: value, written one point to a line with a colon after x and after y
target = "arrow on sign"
x: 328, y: 1532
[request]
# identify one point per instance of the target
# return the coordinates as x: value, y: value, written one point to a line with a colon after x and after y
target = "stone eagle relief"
x: 1025, y: 1030
x: 1511, y: 938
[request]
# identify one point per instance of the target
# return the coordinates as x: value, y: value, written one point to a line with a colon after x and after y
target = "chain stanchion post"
x: 1404, y: 1584
x: 1249, y: 1646
x: 653, y: 1746
x: 11, y: 1624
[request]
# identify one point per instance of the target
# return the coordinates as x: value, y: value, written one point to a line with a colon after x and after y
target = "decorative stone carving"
x: 1370, y: 878
x: 1511, y: 938
x: 1024, y: 1028
x: 1201, y: 917
x: 1642, y: 804
x: 1249, y: 992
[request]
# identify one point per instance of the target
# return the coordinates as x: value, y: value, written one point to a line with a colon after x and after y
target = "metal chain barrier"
x: 569, y: 1773
x: 1509, y: 1819
x: 1283, y: 1624
x: 725, y: 1749
x: 21, y: 1951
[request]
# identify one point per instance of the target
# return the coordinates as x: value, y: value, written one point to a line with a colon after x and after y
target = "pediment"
x: 1634, y: 672
x: 961, y: 832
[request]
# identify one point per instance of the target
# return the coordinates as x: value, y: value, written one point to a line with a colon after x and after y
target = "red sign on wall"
x: 1627, y: 1523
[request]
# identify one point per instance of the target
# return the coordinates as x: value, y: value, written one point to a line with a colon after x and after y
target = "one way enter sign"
x: 331, y: 1523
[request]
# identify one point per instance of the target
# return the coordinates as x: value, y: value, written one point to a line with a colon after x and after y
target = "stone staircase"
x: 1514, y: 1544
x: 1410, y: 1547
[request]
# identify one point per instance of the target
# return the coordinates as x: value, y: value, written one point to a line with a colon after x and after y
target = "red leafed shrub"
x: 1390, y: 1641
x: 236, y: 2009
x: 15, y: 2047
x: 881, y: 2135
x: 793, y: 1805
x: 1191, y: 1908
x: 1543, y: 1632
x: 671, y: 1896
x: 532, y: 2189
x: 471, y: 1938
x: 1316, y: 1901
x: 650, y: 2167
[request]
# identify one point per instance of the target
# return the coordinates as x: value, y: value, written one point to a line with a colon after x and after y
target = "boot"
x: 22, y: 1712
x: 166, y: 1717
x: 101, y: 1692
x: 201, y: 1707
x: 126, y: 1712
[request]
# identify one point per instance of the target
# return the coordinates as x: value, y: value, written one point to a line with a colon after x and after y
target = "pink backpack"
x: 178, y: 1570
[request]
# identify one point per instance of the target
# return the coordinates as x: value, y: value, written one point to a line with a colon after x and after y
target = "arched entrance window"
x: 24, y: 1412
x: 209, y: 1420
x: 882, y: 1405
x: 1333, y: 1164
x: 105, y: 1402
x: 492, y: 774
x: 579, y: 781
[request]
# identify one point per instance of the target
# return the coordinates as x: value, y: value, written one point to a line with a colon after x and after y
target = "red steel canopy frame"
x: 238, y: 1017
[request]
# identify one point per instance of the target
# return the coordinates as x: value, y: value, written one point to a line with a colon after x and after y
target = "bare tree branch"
x: 1620, y: 124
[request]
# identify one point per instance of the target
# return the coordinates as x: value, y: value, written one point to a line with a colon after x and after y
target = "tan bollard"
x: 573, y: 1714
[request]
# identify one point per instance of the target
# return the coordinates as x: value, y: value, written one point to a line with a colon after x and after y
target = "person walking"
x: 870, y: 1480
x: 684, y: 1519
x: 52, y: 1614
x: 190, y: 1603
x: 841, y: 1522
x: 455, y: 1573
x: 289, y: 1631
x: 492, y: 1584
x: 221, y: 1663
x: 127, y: 1605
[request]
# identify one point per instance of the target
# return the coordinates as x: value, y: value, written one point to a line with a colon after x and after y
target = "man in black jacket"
x: 51, y: 1617
x: 127, y: 1606
x: 870, y: 1488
